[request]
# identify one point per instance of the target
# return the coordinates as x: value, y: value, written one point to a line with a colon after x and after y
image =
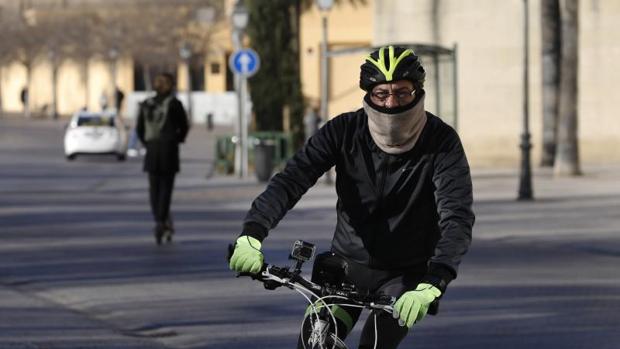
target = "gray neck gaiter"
x: 396, y: 133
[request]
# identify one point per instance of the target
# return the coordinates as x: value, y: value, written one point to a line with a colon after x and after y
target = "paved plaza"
x: 79, y: 267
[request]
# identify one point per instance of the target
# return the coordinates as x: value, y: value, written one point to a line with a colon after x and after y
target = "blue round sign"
x: 244, y: 62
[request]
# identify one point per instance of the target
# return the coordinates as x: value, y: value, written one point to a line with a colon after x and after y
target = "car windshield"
x: 95, y: 120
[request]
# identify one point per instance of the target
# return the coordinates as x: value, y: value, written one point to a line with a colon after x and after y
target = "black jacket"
x: 162, y: 155
x: 395, y: 212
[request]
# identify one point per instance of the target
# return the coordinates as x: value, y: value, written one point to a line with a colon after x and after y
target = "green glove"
x: 247, y: 257
x: 412, y: 306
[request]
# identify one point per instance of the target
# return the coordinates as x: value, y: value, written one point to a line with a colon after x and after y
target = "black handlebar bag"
x: 329, y: 269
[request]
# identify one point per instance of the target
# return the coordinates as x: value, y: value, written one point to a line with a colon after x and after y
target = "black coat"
x: 394, y: 212
x: 162, y: 155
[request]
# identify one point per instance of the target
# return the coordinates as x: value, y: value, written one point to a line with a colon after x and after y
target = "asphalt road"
x: 79, y: 267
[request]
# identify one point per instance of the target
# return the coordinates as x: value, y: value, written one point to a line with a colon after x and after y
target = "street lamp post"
x: 54, y: 63
x: 525, y: 180
x: 113, y: 55
x: 240, y: 18
x: 324, y: 6
x: 185, y: 52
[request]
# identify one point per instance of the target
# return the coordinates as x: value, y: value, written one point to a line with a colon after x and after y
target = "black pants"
x: 160, y: 193
x: 389, y: 332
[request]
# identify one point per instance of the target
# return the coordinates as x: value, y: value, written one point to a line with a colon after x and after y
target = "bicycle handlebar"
x: 273, y: 276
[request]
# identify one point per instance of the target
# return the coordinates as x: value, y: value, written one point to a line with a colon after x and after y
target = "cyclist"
x: 404, y: 210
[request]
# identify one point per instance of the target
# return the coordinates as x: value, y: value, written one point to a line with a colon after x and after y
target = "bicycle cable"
x: 387, y: 309
x: 318, y: 323
x: 376, y: 333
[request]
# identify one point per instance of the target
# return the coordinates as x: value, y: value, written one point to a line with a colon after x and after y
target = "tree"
x: 6, y: 53
x: 55, y: 25
x: 567, y: 153
x: 113, y: 38
x: 269, y: 30
x: 551, y: 54
x: 152, y: 35
x: 146, y: 30
x: 292, y: 77
x: 273, y: 30
x: 81, y: 46
x: 28, y: 42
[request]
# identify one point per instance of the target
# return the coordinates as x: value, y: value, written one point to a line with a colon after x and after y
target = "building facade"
x: 489, y: 79
x: 490, y: 38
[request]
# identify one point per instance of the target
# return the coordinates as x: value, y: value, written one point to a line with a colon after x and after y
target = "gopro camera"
x: 302, y: 251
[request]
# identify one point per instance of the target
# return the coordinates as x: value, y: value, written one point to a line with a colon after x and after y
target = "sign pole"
x: 240, y: 143
x: 244, y: 63
x: 244, y: 128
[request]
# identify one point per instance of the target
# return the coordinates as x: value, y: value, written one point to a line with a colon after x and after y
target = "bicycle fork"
x: 320, y: 329
x: 320, y: 335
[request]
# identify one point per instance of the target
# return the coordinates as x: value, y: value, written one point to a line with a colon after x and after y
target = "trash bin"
x: 225, y: 154
x: 264, y: 150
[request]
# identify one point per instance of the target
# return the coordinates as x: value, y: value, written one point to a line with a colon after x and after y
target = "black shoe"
x: 159, y: 232
x: 168, y: 230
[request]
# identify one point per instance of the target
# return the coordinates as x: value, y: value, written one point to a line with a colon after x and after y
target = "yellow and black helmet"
x: 391, y: 63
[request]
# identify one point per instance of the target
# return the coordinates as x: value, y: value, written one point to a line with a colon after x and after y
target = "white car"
x: 95, y: 133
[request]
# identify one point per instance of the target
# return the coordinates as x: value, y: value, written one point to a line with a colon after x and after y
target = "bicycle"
x: 328, y: 283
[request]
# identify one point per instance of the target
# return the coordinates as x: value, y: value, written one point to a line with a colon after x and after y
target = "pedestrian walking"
x: 162, y: 125
x: 24, y: 98
x: 404, y: 199
x: 119, y: 95
x: 312, y: 122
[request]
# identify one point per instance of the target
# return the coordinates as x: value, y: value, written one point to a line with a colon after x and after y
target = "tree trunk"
x: 27, y: 102
x: 54, y: 90
x: 567, y: 154
x: 1, y: 102
x: 86, y: 81
x: 113, y: 84
x: 551, y: 54
x: 296, y: 105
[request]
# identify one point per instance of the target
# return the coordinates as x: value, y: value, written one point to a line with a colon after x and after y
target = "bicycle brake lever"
x: 433, y: 309
x: 271, y: 285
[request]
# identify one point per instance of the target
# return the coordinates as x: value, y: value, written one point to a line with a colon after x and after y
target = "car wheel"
x: 121, y: 157
x: 71, y: 157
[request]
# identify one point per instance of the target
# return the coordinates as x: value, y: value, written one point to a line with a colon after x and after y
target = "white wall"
x: 489, y: 34
x: 223, y: 106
